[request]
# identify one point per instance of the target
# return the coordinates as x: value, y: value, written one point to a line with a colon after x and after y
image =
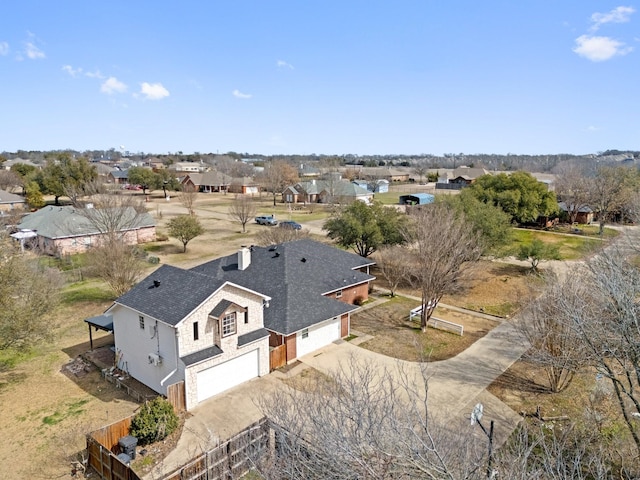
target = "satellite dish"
x: 476, y: 414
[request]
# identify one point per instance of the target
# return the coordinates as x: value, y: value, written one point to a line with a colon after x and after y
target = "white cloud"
x: 153, y: 91
x: 238, y: 94
x: 4, y: 48
x: 74, y: 72
x: 592, y: 128
x: 113, y: 85
x: 95, y: 74
x: 32, y: 51
x: 599, y: 49
x: 283, y: 64
x: 617, y: 15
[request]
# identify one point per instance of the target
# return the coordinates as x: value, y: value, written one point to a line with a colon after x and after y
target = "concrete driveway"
x: 455, y: 386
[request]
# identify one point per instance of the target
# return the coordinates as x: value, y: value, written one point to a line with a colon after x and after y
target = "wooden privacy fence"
x: 176, y: 396
x: 277, y: 357
x: 103, y: 448
x: 231, y: 459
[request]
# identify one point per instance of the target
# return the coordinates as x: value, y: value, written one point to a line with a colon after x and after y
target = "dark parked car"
x: 266, y: 220
x: 291, y: 225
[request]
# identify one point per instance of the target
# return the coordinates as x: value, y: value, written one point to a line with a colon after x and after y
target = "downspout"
x: 175, y: 369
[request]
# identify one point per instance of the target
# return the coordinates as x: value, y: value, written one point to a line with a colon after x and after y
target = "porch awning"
x: 101, y: 322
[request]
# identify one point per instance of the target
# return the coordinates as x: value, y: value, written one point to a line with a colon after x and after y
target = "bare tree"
x: 440, y: 245
x: 188, y: 197
x: 9, y: 179
x: 277, y: 175
x: 274, y: 236
x: 363, y: 422
x: 28, y: 294
x: 394, y: 266
x: 610, y: 191
x: 608, y: 326
x: 114, y: 257
x: 242, y: 209
x: 421, y: 170
x: 574, y: 188
x: 548, y: 329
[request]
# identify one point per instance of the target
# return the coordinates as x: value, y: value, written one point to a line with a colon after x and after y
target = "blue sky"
x: 325, y: 77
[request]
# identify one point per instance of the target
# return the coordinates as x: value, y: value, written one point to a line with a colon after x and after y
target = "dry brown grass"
x: 45, y: 412
x: 394, y: 336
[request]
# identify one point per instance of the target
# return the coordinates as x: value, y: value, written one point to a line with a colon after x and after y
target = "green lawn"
x: 389, y: 198
x: 93, y: 290
x: 572, y: 247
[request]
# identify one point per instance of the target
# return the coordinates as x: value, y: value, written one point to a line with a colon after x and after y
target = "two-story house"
x: 178, y: 325
x: 214, y: 325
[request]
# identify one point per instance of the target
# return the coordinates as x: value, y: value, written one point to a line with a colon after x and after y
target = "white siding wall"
x: 134, y: 346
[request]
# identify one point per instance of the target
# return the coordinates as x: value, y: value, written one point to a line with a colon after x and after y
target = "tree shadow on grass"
x: 515, y: 381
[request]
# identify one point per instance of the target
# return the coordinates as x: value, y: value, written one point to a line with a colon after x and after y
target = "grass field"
x: 571, y: 247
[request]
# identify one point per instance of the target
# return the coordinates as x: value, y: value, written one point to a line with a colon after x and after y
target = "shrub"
x: 153, y: 260
x: 359, y: 300
x: 154, y: 422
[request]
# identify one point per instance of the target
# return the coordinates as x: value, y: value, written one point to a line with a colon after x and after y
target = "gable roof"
x: 469, y: 173
x: 581, y: 208
x: 8, y: 197
x: 296, y: 275
x: 340, y: 188
x: 169, y: 294
x: 124, y: 174
x: 61, y: 222
x: 208, y: 178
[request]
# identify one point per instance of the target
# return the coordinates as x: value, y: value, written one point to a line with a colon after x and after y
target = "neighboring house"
x: 214, y: 325
x: 66, y: 230
x: 467, y: 175
x: 376, y: 186
x: 244, y: 185
x: 118, y: 177
x: 584, y: 215
x: 156, y: 164
x: 343, y: 191
x: 391, y: 174
x: 207, y: 182
x: 10, y: 201
x: 189, y: 167
x: 326, y: 191
x: 307, y: 171
x: 15, y: 161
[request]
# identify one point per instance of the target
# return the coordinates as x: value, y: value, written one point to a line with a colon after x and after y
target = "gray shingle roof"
x: 201, y: 355
x: 220, y: 308
x: 295, y: 275
x: 8, y: 197
x: 61, y: 222
x: 178, y: 293
x: 252, y: 336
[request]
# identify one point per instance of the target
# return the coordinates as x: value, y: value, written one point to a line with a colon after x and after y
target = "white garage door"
x: 317, y: 336
x: 222, y: 377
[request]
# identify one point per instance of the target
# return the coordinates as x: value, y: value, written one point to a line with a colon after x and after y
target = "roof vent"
x: 303, y: 260
x: 276, y: 255
x: 156, y: 283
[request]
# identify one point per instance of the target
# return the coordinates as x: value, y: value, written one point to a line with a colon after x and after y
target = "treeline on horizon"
x: 491, y: 161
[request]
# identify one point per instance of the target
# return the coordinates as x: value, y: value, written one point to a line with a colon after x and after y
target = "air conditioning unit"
x: 155, y: 359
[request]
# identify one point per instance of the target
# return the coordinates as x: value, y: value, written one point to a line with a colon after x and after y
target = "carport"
x: 101, y: 322
x: 416, y: 199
